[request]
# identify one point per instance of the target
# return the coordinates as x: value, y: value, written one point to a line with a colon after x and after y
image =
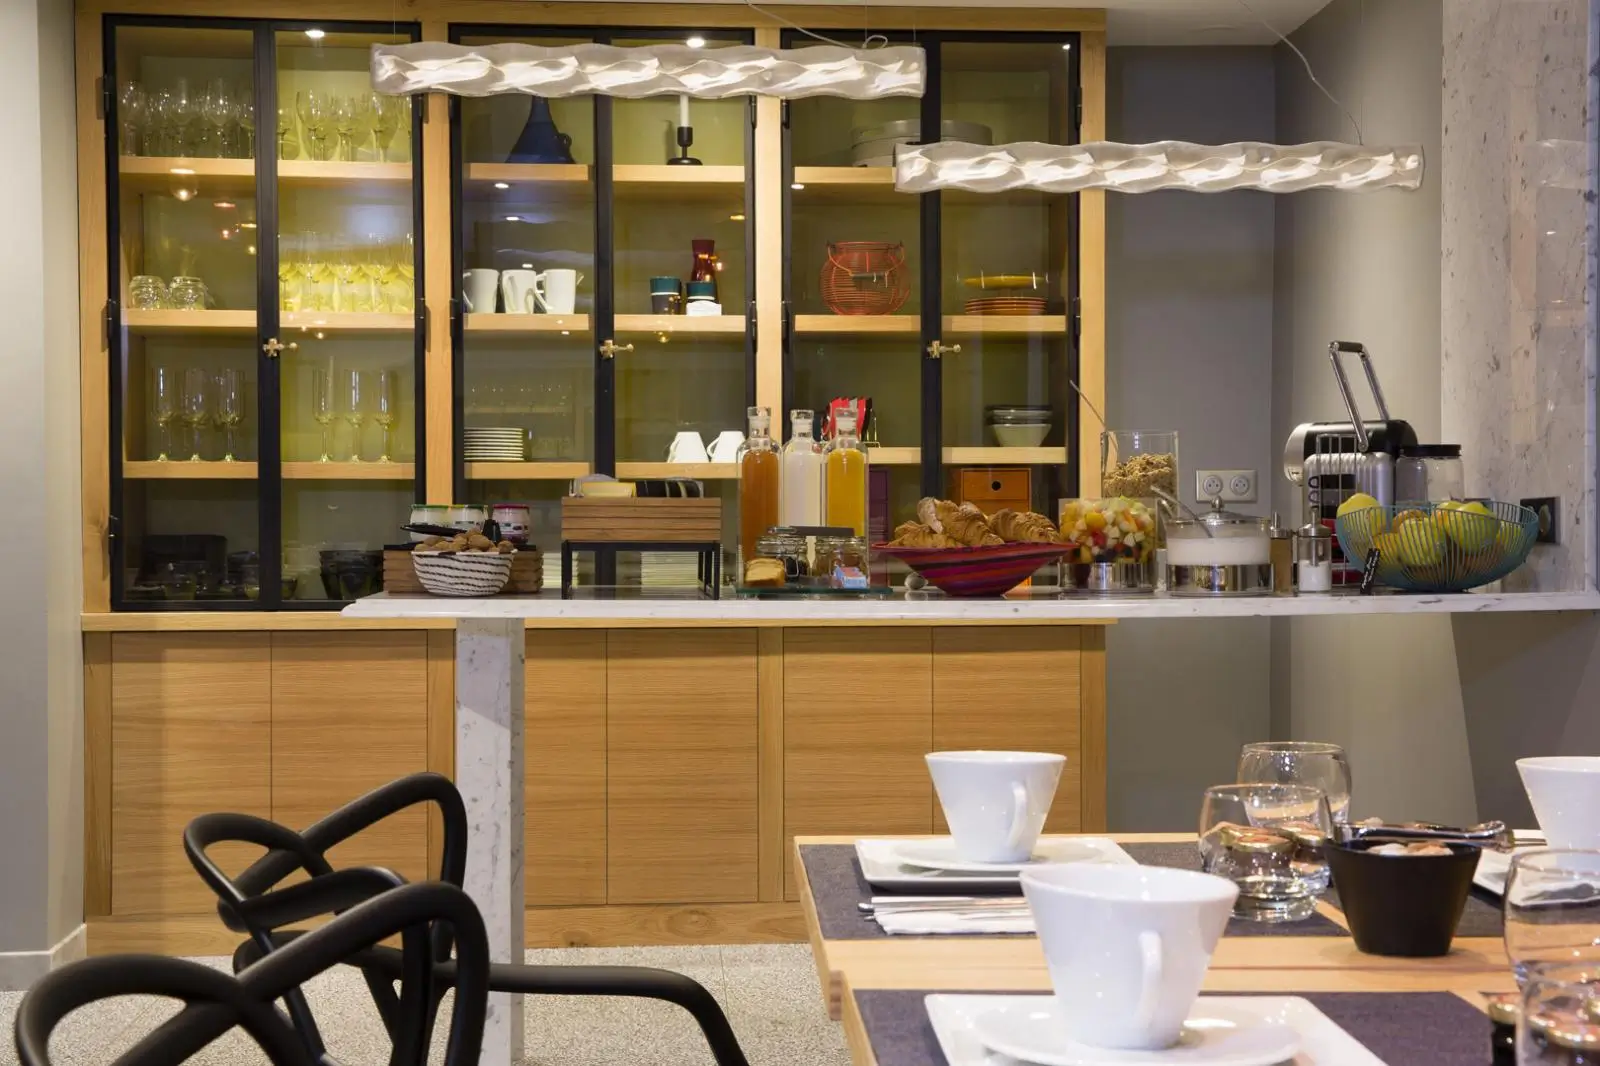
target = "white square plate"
x: 1322, y: 1042
x: 1494, y: 866
x: 882, y: 868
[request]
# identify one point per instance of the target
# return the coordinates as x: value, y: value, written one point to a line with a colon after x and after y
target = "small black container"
x: 1405, y: 905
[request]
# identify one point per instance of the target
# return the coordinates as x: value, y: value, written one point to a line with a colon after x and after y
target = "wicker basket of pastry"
x: 964, y: 552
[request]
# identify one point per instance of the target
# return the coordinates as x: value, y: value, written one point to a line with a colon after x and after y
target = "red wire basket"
x: 865, y: 278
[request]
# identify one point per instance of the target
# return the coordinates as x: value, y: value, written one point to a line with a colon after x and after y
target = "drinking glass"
x: 183, y: 109
x: 362, y: 106
x: 1295, y: 762
x: 355, y: 409
x: 342, y: 108
x: 372, y: 269
x: 288, y: 269
x: 315, y: 110
x: 285, y: 127
x: 216, y: 107
x: 350, y: 278
x: 322, y: 409
x: 1560, y: 1017
x: 1269, y: 840
x: 388, y: 409
x: 387, y: 116
x: 405, y: 264
x: 196, y: 406
x: 166, y: 391
x: 1552, y: 906
x: 245, y: 115
x: 133, y: 111
x: 230, y: 407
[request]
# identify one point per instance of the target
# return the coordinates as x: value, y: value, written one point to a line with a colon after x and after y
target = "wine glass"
x: 372, y: 270
x: 183, y: 109
x: 230, y: 407
x: 245, y: 114
x: 315, y: 115
x: 362, y: 106
x: 342, y: 109
x: 1291, y: 762
x: 314, y: 272
x: 322, y: 409
x: 405, y: 264
x: 285, y: 127
x: 348, y: 276
x: 196, y: 406
x: 1552, y: 904
x: 133, y: 111
x: 1559, y: 1019
x: 386, y: 118
x: 388, y: 400
x: 355, y: 409
x: 1268, y: 840
x: 216, y: 107
x: 166, y: 391
x: 289, y: 253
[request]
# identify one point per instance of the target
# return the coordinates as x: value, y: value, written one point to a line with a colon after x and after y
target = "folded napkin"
x: 939, y: 923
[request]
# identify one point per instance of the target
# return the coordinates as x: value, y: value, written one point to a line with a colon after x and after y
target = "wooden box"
x: 527, y: 572
x: 993, y: 487
x: 668, y: 521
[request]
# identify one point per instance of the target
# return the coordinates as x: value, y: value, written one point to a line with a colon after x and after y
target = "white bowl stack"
x: 1020, y: 425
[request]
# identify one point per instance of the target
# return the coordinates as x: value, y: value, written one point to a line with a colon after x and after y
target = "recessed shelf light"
x: 797, y: 186
x: 513, y: 218
x: 1067, y: 47
x: 696, y: 42
x: 502, y: 185
x: 226, y: 205
x: 182, y: 170
x: 316, y: 34
x: 736, y: 218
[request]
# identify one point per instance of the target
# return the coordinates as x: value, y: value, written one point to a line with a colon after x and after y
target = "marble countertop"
x: 549, y: 609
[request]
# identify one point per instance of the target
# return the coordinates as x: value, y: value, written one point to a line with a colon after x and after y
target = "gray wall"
x: 1189, y: 347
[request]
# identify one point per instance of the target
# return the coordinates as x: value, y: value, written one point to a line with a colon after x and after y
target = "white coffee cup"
x: 1565, y: 793
x: 725, y: 449
x: 519, y: 292
x: 480, y: 288
x: 687, y: 447
x: 995, y: 801
x: 560, y: 294
x: 1126, y: 946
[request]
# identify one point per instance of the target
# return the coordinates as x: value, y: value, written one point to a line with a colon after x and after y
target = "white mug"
x: 519, y: 291
x: 687, y: 447
x: 995, y: 801
x: 725, y: 449
x: 1565, y: 793
x: 480, y: 289
x: 1126, y: 946
x: 560, y: 294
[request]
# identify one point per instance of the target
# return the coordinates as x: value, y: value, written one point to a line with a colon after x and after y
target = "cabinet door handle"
x: 939, y: 349
x: 610, y: 348
x: 274, y: 346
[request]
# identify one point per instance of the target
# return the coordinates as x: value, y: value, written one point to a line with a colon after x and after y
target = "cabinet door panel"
x: 565, y: 784
x: 857, y: 720
x: 681, y: 766
x: 1012, y: 689
x: 190, y: 734
x: 350, y: 713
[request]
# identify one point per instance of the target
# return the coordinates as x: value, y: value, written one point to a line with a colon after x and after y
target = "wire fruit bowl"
x: 1425, y: 547
x: 865, y: 278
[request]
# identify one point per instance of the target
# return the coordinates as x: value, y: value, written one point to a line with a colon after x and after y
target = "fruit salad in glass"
x: 1116, y: 530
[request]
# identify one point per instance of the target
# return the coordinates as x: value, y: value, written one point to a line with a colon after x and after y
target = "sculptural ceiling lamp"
x: 653, y: 70
x: 1152, y: 167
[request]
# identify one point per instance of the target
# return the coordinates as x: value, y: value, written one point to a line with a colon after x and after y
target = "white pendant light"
x: 1153, y: 167
x: 653, y: 70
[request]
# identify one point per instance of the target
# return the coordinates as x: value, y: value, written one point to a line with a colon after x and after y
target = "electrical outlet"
x: 1548, y: 508
x: 1229, y: 486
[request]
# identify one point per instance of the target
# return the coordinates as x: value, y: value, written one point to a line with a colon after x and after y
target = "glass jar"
x: 1136, y: 462
x: 1313, y: 558
x: 830, y: 553
x: 428, y: 514
x: 186, y: 294
x: 146, y: 292
x: 1429, y: 473
x: 467, y: 517
x: 800, y: 502
x: 788, y: 546
x: 515, y: 521
x: 758, y: 482
x: 844, y: 476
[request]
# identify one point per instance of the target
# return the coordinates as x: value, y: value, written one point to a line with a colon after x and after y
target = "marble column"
x: 489, y: 771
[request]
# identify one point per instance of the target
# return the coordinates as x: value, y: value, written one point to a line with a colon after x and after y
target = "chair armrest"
x: 331, y: 893
x: 389, y: 799
x: 286, y: 852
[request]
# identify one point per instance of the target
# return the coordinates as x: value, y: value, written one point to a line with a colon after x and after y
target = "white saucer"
x: 882, y: 867
x: 1495, y: 866
x: 1216, y: 1034
x: 939, y: 853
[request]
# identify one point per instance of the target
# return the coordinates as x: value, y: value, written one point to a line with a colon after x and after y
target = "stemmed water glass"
x: 388, y: 403
x: 322, y: 409
x: 1293, y: 762
x: 245, y: 113
x: 166, y: 406
x: 1552, y: 904
x: 387, y: 115
x: 133, y: 111
x: 196, y: 406
x: 315, y: 116
x: 285, y: 127
x: 404, y: 257
x: 230, y: 407
x: 355, y: 410
x: 343, y: 110
x: 217, y: 108
x: 372, y: 271
x: 181, y: 111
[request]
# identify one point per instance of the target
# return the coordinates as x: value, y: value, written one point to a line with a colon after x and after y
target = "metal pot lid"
x: 951, y: 129
x: 1219, y: 517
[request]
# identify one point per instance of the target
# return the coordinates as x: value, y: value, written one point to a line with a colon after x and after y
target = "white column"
x: 489, y: 702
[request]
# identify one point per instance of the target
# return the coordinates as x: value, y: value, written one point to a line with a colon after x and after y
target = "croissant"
x: 1022, y: 526
x: 927, y: 512
x: 917, y: 535
x: 966, y: 525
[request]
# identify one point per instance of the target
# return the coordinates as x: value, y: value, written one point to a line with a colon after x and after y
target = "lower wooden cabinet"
x: 564, y: 792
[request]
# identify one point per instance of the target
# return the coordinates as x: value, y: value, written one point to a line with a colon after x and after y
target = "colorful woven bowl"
x: 976, y: 571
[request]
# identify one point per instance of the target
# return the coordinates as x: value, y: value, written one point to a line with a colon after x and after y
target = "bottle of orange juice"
x: 845, y: 475
x: 758, y: 483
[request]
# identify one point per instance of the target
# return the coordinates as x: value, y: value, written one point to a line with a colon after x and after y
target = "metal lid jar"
x: 1219, y: 553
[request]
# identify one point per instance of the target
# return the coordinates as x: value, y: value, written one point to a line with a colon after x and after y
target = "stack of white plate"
x: 661, y: 569
x: 493, y: 444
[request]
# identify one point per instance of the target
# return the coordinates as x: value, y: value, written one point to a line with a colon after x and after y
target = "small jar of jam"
x: 789, y: 548
x: 1503, y: 1009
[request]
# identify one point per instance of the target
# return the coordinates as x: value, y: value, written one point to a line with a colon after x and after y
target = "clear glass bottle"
x: 801, y: 500
x: 845, y: 476
x: 758, y: 482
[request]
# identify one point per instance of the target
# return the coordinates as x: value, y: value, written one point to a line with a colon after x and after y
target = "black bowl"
x: 1405, y: 905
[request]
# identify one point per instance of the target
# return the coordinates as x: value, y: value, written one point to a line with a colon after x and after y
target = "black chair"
x: 251, y: 904
x: 215, y: 1003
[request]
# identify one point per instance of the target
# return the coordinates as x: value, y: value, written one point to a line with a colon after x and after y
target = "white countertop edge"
x: 940, y: 608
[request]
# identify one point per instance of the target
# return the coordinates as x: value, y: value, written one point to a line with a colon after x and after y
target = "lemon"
x: 1371, y: 519
x: 1471, y: 525
x: 1421, y: 545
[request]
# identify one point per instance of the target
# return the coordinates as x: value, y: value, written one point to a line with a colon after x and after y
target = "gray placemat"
x: 1401, y: 1028
x: 837, y: 886
x: 1482, y: 916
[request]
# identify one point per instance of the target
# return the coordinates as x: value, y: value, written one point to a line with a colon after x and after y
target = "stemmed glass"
x: 196, y: 406
x: 181, y: 111
x: 1292, y: 762
x: 387, y: 114
x: 322, y: 409
x: 372, y: 270
x: 133, y: 111
x: 362, y: 106
x: 343, y: 110
x: 348, y: 275
x: 245, y: 113
x: 315, y: 115
x: 388, y: 411
x: 285, y: 127
x: 217, y: 108
x: 289, y: 298
x: 230, y: 407
x: 355, y: 410
x: 405, y: 263
x: 166, y: 404
x: 1552, y: 903
x: 1268, y: 840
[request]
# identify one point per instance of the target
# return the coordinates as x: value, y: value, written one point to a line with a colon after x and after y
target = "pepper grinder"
x: 685, y: 135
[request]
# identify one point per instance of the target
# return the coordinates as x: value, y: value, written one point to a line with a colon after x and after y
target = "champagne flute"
x: 386, y: 120
x: 133, y: 110
x: 322, y: 409
x: 362, y: 107
x: 216, y: 108
x: 314, y: 119
x: 388, y: 400
x: 348, y: 276
x: 342, y: 109
x: 196, y: 406
x: 355, y: 410
x: 184, y: 109
x: 285, y: 127
x: 230, y: 407
x: 166, y: 402
x: 372, y: 269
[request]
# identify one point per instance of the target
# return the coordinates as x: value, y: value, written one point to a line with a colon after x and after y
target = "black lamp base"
x: 685, y: 139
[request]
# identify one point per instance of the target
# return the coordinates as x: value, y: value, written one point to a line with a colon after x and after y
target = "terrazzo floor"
x: 769, y: 992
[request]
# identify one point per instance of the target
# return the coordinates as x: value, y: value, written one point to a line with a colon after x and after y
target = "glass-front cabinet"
x: 952, y: 312
x: 605, y: 301
x: 263, y: 325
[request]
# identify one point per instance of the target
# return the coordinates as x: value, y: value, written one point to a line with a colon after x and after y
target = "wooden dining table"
x: 850, y: 965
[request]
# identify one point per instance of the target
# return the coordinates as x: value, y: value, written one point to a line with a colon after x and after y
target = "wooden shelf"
x: 857, y: 325
x: 701, y: 471
x: 215, y: 470
x: 1005, y: 325
x: 515, y: 324
x: 971, y: 456
x: 243, y: 323
x: 664, y: 183
x: 882, y: 456
x: 238, y: 176
x: 546, y: 471
x: 680, y: 324
x: 848, y: 185
x: 183, y: 470
x: 348, y: 471
x: 954, y: 325
x: 344, y: 322
x: 572, y: 183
